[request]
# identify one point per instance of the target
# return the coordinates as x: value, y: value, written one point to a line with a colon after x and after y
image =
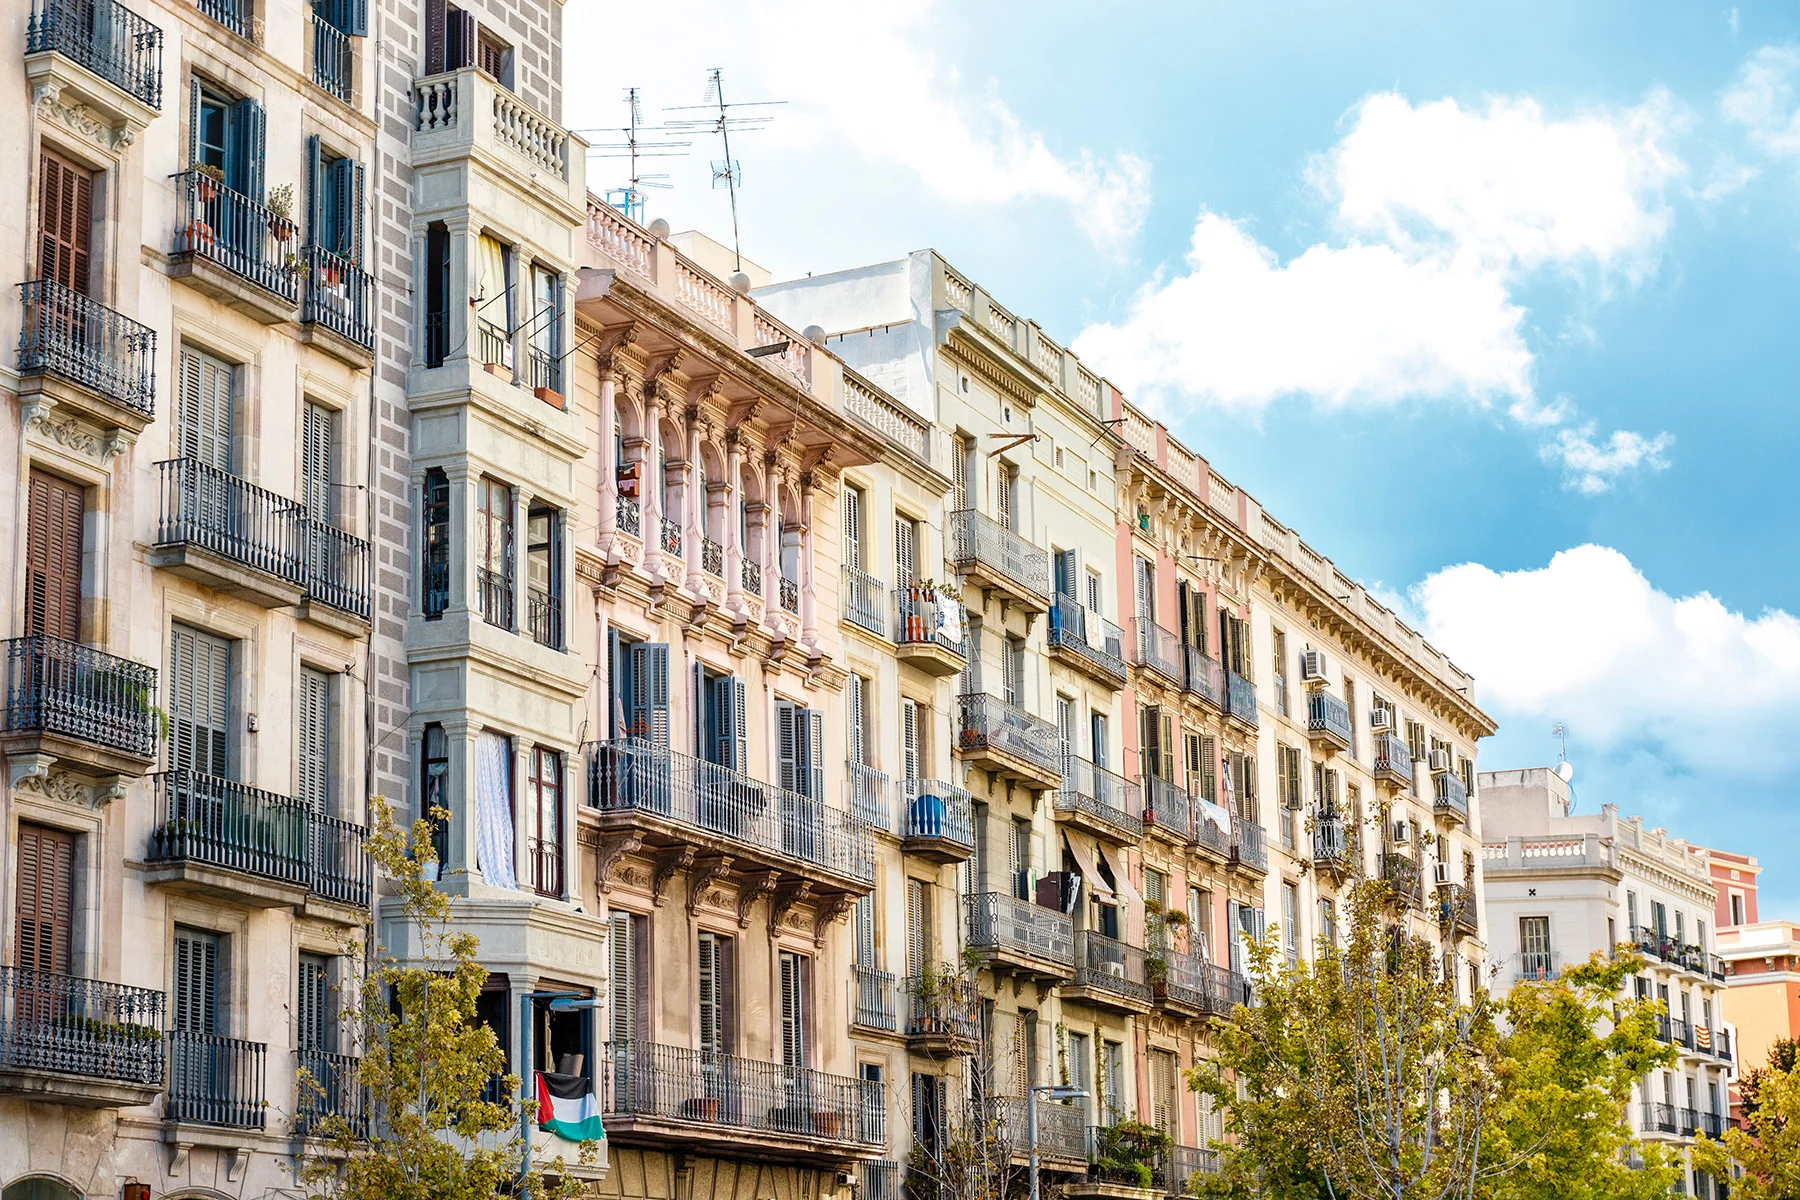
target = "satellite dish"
x: 1565, y: 770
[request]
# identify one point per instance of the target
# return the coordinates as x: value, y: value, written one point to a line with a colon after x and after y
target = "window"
x: 795, y: 1010
x: 642, y: 690
x: 449, y: 37
x: 544, y: 791
x: 1067, y: 573
x: 1415, y: 742
x: 1158, y: 740
x: 318, y: 468
x: 65, y: 222
x: 1290, y: 922
x: 1144, y: 600
x: 543, y: 367
x: 1015, y: 671
x: 912, y: 740
x: 929, y: 1108
x: 1202, y: 767
x: 1118, y: 1107
x: 1534, y: 947
x: 865, y: 930
x: 227, y: 134
x: 1095, y: 593
x: 1156, y: 893
x: 194, y: 1005
x: 494, y: 550
x: 314, y: 1030
x: 1008, y: 496
x: 800, y: 750
x: 1232, y: 637
x: 334, y: 211
x: 1081, y: 1059
x: 965, y: 471
x: 874, y: 1113
x: 1281, y: 692
x: 493, y: 313
x: 856, y: 713
x: 203, y: 413
x: 627, y: 984
x: 435, y: 587
x: 1164, y: 1096
x: 1191, y: 603
x: 495, y: 57
x: 1199, y: 912
x: 1021, y: 860
x: 434, y: 790
x: 199, y: 691
x: 543, y: 576
x: 54, y: 547
x: 906, y: 550
x: 855, y: 501
x: 1065, y: 725
x: 1350, y: 703
x: 918, y: 928
x: 716, y: 994
x: 1099, y: 739
x: 1631, y: 916
x: 437, y: 293
x: 45, y: 898
x: 313, y: 738
x: 1737, y: 908
x: 1327, y: 924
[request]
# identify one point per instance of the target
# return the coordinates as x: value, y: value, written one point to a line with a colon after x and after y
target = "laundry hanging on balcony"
x: 568, y: 1107
x: 949, y: 622
x: 1215, y: 813
x: 493, y: 809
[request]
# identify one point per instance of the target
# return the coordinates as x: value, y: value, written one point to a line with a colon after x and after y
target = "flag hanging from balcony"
x: 568, y: 1108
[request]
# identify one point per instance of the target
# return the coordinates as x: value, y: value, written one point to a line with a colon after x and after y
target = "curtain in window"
x: 491, y: 281
x: 493, y: 809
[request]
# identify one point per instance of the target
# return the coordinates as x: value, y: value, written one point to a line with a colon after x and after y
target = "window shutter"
x: 315, y: 740
x: 311, y: 998
x: 909, y: 740
x: 195, y: 106
x: 793, y: 1017
x: 650, y: 692
x: 55, y: 513
x: 318, y: 228
x: 344, y: 188
x: 204, y: 411
x: 459, y: 43
x: 244, y: 168
x: 906, y: 561
x: 622, y: 985
x: 353, y: 17
x: 1166, y: 743
x: 1145, y: 597
x: 1152, y: 733
x: 918, y: 927
x: 729, y: 737
x: 45, y: 896
x: 853, y: 528
x: 436, y: 35
x: 787, y: 753
x: 1209, y: 767
x: 200, y: 702
x: 853, y: 688
x: 195, y: 1007
x: 1233, y: 927
x: 316, y: 473
x: 813, y: 750
x: 65, y: 221
x: 865, y: 930
x: 707, y: 984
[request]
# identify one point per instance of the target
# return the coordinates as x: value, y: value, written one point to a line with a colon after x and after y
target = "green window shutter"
x: 246, y: 149
x: 316, y: 226
x: 344, y: 189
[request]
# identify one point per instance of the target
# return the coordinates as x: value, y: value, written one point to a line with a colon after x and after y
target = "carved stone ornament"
x: 612, y: 852
x: 668, y: 863
x: 79, y: 119
x: 830, y: 911
x: 785, y: 901
x: 702, y: 875
x: 754, y: 888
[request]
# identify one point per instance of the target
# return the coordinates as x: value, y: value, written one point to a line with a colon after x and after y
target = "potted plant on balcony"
x: 281, y: 211
x: 1127, y: 1152
x: 207, y: 179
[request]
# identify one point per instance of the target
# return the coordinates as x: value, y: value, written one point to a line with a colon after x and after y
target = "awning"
x: 1090, y: 871
x: 1134, y: 911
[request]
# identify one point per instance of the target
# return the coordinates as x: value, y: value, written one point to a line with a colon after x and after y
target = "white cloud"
x: 1592, y: 467
x: 867, y: 80
x: 1765, y: 101
x: 1588, y: 640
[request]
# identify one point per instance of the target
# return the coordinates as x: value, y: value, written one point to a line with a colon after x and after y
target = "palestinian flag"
x: 568, y: 1108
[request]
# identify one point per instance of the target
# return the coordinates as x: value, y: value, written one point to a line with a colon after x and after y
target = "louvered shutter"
x: 1021, y: 1076
x: 787, y: 751
x: 865, y: 930
x: 918, y: 927
x: 311, y: 1003
x: 318, y: 225
x: 621, y: 986
x: 45, y: 898
x: 854, y: 687
x: 200, y: 702
x: 344, y: 190
x: 650, y: 692
x: 812, y: 747
x: 853, y: 526
x: 65, y: 222
x: 793, y: 1015
x: 1233, y: 930
x: 316, y: 468
x: 707, y: 984
x: 204, y: 411
x: 352, y: 17
x: 906, y: 555
x: 315, y: 741
x: 55, y: 513
x: 1065, y: 573
x: 1151, y: 728
x: 196, y: 116
x: 1166, y: 743
x: 1144, y: 589
x: 1162, y: 1088
x: 436, y: 36
x: 195, y: 1005
x: 910, y: 765
x: 245, y: 160
x: 459, y: 42
x: 1209, y: 768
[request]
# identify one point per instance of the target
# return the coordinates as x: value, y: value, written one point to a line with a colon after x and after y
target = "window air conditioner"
x: 1381, y: 720
x: 1440, y: 761
x: 1312, y: 666
x: 1442, y: 873
x: 1401, y: 833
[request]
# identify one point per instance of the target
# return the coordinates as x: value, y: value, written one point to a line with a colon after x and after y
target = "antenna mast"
x: 727, y: 171
x: 630, y: 198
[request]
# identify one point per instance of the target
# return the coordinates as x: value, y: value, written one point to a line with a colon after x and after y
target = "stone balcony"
x: 467, y: 114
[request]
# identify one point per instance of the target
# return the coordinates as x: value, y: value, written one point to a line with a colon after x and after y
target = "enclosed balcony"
x: 1156, y: 649
x: 943, y: 1014
x: 235, y: 249
x: 1013, y: 934
x: 1087, y: 642
x: 1249, y: 849
x: 216, y: 1080
x: 1108, y: 972
x: 1240, y: 700
x: 83, y: 357
x: 79, y: 705
x: 79, y: 1042
x: 1203, y: 677
x: 1167, y: 809
x: 940, y: 821
x: 1456, y: 909
x: 1008, y: 742
x: 1393, y: 760
x: 717, y: 1103
x: 1104, y: 804
x: 671, y: 801
x: 930, y: 632
x: 339, y: 303
x: 999, y: 560
x: 1452, y: 798
x: 1190, y: 986
x: 1330, y: 845
x: 1404, y: 879
x: 1328, y: 721
x: 97, y: 58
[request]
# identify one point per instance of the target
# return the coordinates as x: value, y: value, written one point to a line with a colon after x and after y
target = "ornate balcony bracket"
x: 830, y: 912
x: 668, y: 863
x: 753, y: 889
x: 785, y: 901
x: 703, y: 874
x: 613, y: 851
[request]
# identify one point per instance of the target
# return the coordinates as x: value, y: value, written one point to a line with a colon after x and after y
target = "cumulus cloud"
x: 1592, y: 467
x: 1589, y: 640
x: 1765, y: 100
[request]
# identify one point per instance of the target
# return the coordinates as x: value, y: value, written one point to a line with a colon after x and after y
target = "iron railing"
x: 1203, y: 676
x: 1157, y: 648
x: 1328, y: 715
x: 435, y: 597
x: 544, y: 617
x: 1452, y: 796
x: 997, y: 921
x: 634, y: 775
x: 105, y: 37
x: 238, y: 233
x: 492, y: 343
x: 1061, y: 1129
x: 71, y: 336
x: 73, y: 1026
x: 671, y: 535
x: 1393, y: 759
x: 875, y: 999
x: 943, y: 1006
x: 216, y: 1080
x: 1538, y: 966
x: 233, y: 14
x: 927, y: 617
x: 335, y: 566
x: 629, y: 516
x: 979, y: 540
x: 1102, y: 794
x: 712, y: 557
x: 1110, y: 965
x: 1330, y: 844
x: 216, y: 511
x: 790, y: 595
x: 1172, y: 1171
x: 752, y: 578
x: 332, y: 64
x: 1660, y: 1118
x: 1456, y: 907
x: 1404, y: 878
x: 1240, y: 698
x: 674, y: 1083
x: 329, y: 1087
x: 862, y: 601
x: 341, y: 868
x: 544, y: 370
x: 1248, y: 846
x: 61, y: 687
x: 496, y: 588
x: 222, y: 823
x: 437, y: 338
x: 871, y: 796
x: 879, y: 1181
x: 338, y: 294
x: 1088, y: 634
x: 1191, y: 980
x: 940, y: 811
x: 1206, y: 832
x: 988, y: 722
x: 1167, y: 806
x: 544, y: 867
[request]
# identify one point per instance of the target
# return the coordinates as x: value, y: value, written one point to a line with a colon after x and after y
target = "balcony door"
x: 65, y: 223
x: 795, y: 1006
x: 56, y: 511
x: 716, y: 1003
x: 45, y: 898
x: 199, y: 699
x: 196, y: 1073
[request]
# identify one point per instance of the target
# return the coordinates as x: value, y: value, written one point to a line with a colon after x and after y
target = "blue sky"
x: 1497, y: 308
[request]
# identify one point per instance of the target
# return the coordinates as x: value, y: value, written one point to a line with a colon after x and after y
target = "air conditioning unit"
x: 1401, y: 833
x: 1440, y: 761
x: 1442, y: 873
x: 1381, y: 720
x: 1312, y: 666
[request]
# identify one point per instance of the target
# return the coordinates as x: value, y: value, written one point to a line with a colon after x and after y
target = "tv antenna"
x: 726, y: 172
x: 630, y: 198
x: 1560, y: 732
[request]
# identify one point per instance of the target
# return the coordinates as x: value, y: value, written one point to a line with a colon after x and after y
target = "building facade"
x: 1761, y: 1000
x: 1561, y: 888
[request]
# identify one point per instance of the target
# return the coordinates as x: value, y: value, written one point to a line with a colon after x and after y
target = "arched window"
x: 39, y: 1187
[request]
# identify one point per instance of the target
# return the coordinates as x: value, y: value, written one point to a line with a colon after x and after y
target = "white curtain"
x: 493, y: 809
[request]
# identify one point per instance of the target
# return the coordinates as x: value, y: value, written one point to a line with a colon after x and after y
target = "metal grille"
x: 62, y: 687
x: 105, y: 37
x: 216, y: 1080
x: 75, y: 1026
x: 674, y: 1083
x: 216, y: 223
x: 65, y: 333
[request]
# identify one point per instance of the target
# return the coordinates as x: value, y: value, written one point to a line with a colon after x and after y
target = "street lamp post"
x: 1052, y: 1091
x: 559, y: 1002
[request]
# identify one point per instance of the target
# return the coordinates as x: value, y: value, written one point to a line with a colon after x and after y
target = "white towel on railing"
x: 494, y: 846
x: 949, y: 622
x: 1216, y: 813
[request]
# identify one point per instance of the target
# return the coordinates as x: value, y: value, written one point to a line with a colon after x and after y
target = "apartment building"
x: 187, y: 669
x: 1560, y: 887
x: 1761, y: 1000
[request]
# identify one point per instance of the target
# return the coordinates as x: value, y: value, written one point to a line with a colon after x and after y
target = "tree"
x: 962, y: 1144
x: 1767, y: 1144
x: 1784, y: 1058
x: 429, y: 1067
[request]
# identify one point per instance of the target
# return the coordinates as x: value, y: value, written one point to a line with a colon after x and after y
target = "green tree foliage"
x: 426, y: 1062
x: 1767, y: 1145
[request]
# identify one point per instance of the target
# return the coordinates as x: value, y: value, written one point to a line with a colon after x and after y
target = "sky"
x: 1496, y: 308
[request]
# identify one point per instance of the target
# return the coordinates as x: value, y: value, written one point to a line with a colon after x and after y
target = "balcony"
x: 1328, y: 721
x: 790, y: 595
x: 930, y: 632
x: 333, y: 66
x: 1393, y: 761
x: 943, y: 1015
x: 1249, y: 850
x: 235, y: 249
x: 875, y: 995
x: 98, y: 59
x: 1104, y: 804
x: 79, y: 705
x: 468, y: 115
x: 1211, y: 832
x: 863, y: 605
x: 1108, y: 972
x: 671, y: 801
x: 1087, y: 642
x: 329, y: 1091
x: 1538, y: 966
x: 1240, y: 700
x: 1174, y: 1171
x: 1660, y: 1118
x: 629, y: 515
x: 1000, y: 560
x: 1061, y: 1130
x: 221, y: 838
x: 880, y: 1181
x: 1016, y: 934
x: 1452, y: 798
x: 1008, y: 742
x: 1331, y: 845
x: 723, y: 1103
x: 1191, y: 986
x: 1456, y: 910
x: 1716, y: 1042
x: 1404, y: 879
x: 712, y: 557
x: 1167, y: 809
x: 337, y: 312
x: 1203, y: 677
x: 334, y: 570
x: 871, y: 796
x: 940, y: 821
x: 1157, y: 649
x: 81, y: 356
x: 79, y: 1042
x: 216, y: 1080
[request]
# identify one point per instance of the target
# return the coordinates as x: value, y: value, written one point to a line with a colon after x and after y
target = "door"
x: 314, y: 739
x: 918, y: 928
x: 318, y: 493
x: 65, y: 229
x: 906, y: 552
x: 45, y: 898
x: 195, y: 1074
x: 792, y: 1031
x: 713, y: 987
x: 853, y: 528
x: 911, y: 741
x: 53, y: 556
x: 199, y: 703
x: 204, y: 505
x: 623, y: 985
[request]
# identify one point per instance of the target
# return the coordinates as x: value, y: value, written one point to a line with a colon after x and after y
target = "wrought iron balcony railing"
x: 671, y: 536
x: 1100, y: 793
x: 435, y: 594
x: 1538, y: 966
x: 544, y: 617
x: 544, y: 867
x: 1660, y: 1118
x: 329, y: 1088
x: 1061, y: 1130
x: 879, y: 1181
x: 1452, y: 797
x: 233, y: 14
x: 978, y: 540
x: 496, y: 589
x: 1393, y: 759
x: 1212, y: 826
x: 341, y: 868
x: 712, y: 557
x: 332, y: 63
x: 73, y: 1026
x: 338, y: 294
x: 335, y: 566
x: 1093, y: 637
x: 790, y: 595
x: 863, y: 596
x: 634, y: 775
x: 1156, y: 648
x: 1203, y: 676
x: 1172, y: 1171
x: 940, y: 811
x: 1168, y: 807
x: 105, y: 37
x: 222, y: 823
x: 246, y: 238
x: 630, y: 518
x: 1330, y: 844
x: 216, y: 1080
x: 943, y: 1006
x: 543, y: 370
x: 1404, y: 878
x: 752, y: 578
x: 876, y: 994
x: 1456, y: 907
x: 1328, y: 716
x: 1109, y: 965
x: 81, y: 340
x: 871, y: 796
x: 925, y: 617
x: 64, y: 688
x: 1248, y: 846
x: 1240, y: 698
x: 997, y: 921
x: 674, y: 1083
x: 988, y: 722
x: 1191, y: 980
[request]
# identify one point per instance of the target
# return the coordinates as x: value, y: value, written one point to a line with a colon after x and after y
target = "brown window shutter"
x: 435, y: 36
x: 46, y: 898
x: 65, y: 221
x: 53, y: 550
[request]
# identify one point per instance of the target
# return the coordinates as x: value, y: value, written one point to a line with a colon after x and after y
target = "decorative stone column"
x: 607, y: 519
x: 694, y: 502
x: 772, y: 535
x: 650, y: 479
x: 809, y: 607
x: 521, y: 515
x: 522, y: 815
x: 571, y: 774
x: 464, y: 590
x: 734, y: 553
x: 459, y: 785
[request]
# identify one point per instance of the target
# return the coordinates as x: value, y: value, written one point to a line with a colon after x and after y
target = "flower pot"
x: 701, y: 1108
x: 549, y: 396
x: 827, y: 1124
x: 198, y: 235
x: 206, y: 189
